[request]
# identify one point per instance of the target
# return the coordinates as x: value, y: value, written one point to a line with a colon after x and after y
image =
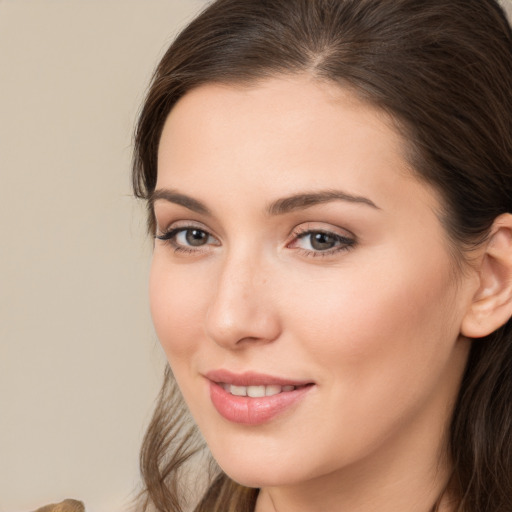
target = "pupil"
x: 322, y: 241
x: 196, y: 237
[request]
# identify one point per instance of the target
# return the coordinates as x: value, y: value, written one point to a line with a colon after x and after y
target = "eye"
x: 320, y: 242
x: 188, y: 238
x: 193, y: 237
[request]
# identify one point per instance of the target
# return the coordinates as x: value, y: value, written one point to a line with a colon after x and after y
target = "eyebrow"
x: 307, y: 200
x: 279, y: 207
x: 175, y: 197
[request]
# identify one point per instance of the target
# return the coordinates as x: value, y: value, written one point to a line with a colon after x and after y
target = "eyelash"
x: 343, y: 243
x: 169, y: 237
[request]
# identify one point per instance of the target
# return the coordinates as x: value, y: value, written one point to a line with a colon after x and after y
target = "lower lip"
x: 253, y: 411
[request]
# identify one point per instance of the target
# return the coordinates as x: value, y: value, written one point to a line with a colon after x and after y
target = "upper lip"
x: 251, y: 378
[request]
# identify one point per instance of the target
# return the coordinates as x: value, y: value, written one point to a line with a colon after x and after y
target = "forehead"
x: 283, y: 113
x: 300, y: 99
x: 279, y: 137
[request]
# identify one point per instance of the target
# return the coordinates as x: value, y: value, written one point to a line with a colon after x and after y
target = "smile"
x: 254, y: 399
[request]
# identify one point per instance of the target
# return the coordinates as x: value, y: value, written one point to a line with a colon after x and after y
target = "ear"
x: 492, y: 303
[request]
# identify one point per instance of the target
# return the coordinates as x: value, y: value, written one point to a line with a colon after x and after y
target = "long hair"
x: 443, y: 70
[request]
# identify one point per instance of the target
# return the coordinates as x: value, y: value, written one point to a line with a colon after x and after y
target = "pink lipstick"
x: 252, y: 398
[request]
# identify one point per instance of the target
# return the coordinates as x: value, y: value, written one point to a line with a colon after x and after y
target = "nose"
x: 243, y: 310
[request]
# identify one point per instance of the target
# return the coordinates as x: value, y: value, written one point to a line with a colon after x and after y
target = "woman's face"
x: 300, y: 262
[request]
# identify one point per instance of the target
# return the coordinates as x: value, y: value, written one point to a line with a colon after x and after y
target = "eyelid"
x: 308, y: 227
x: 180, y: 224
x: 347, y: 240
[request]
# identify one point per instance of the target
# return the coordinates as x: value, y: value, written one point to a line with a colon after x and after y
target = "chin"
x: 252, y: 471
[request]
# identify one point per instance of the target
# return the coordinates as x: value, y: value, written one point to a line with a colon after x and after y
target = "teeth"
x: 272, y: 390
x: 238, y: 390
x: 255, y: 391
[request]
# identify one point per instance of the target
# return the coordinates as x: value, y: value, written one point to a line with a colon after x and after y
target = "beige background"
x: 79, y: 362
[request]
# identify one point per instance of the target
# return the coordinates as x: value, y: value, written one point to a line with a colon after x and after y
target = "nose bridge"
x: 242, y: 309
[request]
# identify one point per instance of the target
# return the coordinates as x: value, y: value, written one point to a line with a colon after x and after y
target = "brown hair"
x: 443, y: 70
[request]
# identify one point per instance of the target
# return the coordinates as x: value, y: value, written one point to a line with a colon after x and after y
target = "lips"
x: 252, y: 398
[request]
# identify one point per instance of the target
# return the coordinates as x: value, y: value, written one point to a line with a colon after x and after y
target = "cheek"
x: 383, y: 322
x: 383, y: 347
x: 178, y: 303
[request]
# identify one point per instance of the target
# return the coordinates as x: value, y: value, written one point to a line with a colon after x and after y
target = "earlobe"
x: 492, y: 303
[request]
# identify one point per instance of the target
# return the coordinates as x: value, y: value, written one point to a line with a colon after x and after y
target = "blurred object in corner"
x: 63, y: 506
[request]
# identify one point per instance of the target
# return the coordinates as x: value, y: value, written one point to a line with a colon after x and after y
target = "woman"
x: 329, y: 184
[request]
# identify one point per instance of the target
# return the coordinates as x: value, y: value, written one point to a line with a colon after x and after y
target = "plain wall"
x: 79, y: 362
